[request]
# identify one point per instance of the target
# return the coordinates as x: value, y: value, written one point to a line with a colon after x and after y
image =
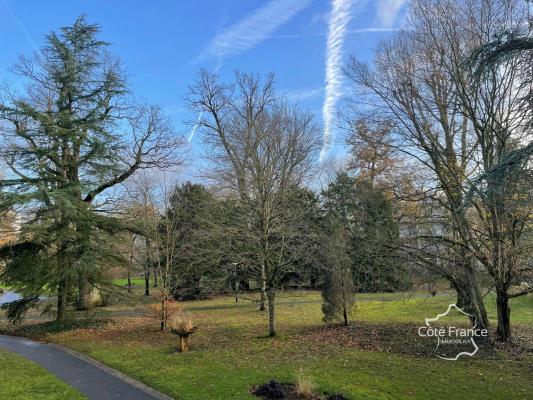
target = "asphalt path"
x: 88, y: 376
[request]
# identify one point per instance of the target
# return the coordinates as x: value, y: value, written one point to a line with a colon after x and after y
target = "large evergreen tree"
x: 365, y: 213
x: 199, y: 236
x: 71, y: 136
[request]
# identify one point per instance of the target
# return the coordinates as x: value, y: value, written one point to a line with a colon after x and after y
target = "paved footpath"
x: 88, y: 376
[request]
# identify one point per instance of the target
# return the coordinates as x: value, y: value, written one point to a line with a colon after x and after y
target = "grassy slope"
x: 21, y: 379
x: 230, y: 353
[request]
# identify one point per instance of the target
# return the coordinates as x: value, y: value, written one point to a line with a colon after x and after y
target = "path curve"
x: 88, y: 376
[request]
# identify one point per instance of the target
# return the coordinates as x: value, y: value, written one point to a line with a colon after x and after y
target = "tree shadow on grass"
x: 51, y: 327
x: 400, y: 338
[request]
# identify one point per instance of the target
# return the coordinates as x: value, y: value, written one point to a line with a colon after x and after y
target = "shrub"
x: 164, y: 310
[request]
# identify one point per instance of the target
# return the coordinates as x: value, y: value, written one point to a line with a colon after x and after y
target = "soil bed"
x: 273, y: 390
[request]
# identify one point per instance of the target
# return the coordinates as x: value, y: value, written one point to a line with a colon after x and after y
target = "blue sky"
x: 164, y: 43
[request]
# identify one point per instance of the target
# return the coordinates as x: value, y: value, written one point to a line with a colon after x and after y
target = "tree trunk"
x: 481, y: 311
x: 61, y: 299
x: 271, y: 313
x: 503, y: 331
x: 263, y: 290
x: 147, y: 269
x: 62, y: 287
x: 344, y: 308
x: 81, y: 303
x: 163, y: 313
x: 313, y: 282
x: 344, y: 305
x: 470, y: 302
x: 345, y: 315
x: 130, y: 266
x: 147, y: 282
x: 469, y: 299
x: 155, y: 277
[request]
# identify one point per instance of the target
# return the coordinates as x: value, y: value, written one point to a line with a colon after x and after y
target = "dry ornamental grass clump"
x: 181, y: 325
x: 304, y: 385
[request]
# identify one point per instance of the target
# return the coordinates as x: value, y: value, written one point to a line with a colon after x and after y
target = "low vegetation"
x: 305, y: 386
x: 230, y: 353
x: 21, y: 379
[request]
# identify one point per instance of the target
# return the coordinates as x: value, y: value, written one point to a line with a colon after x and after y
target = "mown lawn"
x: 21, y: 379
x: 230, y: 352
x: 134, y: 281
x: 412, y: 308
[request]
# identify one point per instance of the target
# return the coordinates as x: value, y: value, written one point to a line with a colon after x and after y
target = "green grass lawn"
x: 412, y: 308
x: 21, y: 379
x: 230, y: 351
x: 134, y: 281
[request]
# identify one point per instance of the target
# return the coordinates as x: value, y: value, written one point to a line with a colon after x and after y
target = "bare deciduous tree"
x: 262, y: 148
x: 459, y: 127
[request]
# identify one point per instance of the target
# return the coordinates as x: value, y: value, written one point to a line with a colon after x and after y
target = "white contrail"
x: 254, y: 28
x: 248, y: 33
x: 22, y: 28
x: 338, y: 22
x: 195, y: 127
x: 350, y: 31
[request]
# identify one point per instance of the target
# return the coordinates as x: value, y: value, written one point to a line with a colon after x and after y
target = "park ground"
x: 23, y: 379
x: 379, y: 356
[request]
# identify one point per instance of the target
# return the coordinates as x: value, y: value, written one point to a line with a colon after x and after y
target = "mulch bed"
x: 274, y: 390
